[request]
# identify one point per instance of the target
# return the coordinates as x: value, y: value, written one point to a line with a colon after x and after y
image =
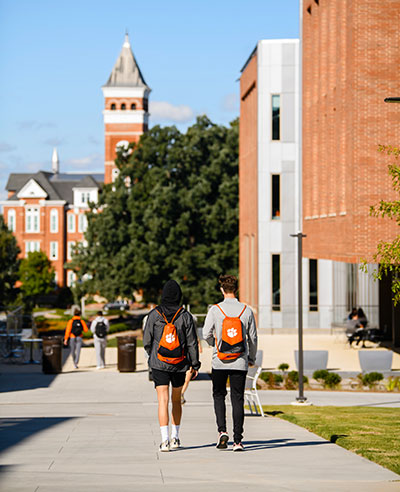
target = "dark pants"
x: 237, y: 381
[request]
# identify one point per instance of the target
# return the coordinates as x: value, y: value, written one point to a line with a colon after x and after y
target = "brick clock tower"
x: 126, y: 116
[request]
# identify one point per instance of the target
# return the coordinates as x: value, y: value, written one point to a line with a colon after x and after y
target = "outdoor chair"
x: 250, y: 393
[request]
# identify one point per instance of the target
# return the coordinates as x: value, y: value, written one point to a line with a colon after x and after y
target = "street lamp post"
x: 301, y: 399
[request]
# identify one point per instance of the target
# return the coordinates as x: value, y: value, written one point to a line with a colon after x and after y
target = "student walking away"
x: 100, y: 327
x: 231, y: 329
x: 75, y: 327
x: 170, y: 341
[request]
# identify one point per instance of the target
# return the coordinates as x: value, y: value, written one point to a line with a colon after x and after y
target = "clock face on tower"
x: 123, y: 146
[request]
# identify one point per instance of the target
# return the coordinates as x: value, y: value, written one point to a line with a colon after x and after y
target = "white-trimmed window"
x: 11, y: 220
x: 53, y: 250
x: 70, y: 247
x: 32, y: 219
x: 71, y: 222
x: 70, y: 278
x: 114, y: 174
x: 82, y: 223
x: 53, y: 220
x: 85, y: 197
x: 31, y: 247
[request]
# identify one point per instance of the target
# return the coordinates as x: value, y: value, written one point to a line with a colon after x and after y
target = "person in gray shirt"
x: 100, y: 327
x: 230, y: 362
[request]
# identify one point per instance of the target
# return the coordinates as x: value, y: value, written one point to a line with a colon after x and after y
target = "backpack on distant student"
x: 77, y: 327
x: 101, y: 329
x: 231, y: 346
x: 170, y: 349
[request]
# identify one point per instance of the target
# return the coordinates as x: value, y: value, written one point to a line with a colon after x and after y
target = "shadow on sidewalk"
x: 15, y: 430
x: 259, y: 445
x: 26, y: 377
x: 279, y: 443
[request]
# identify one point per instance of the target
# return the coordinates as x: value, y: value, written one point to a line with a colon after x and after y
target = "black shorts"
x: 163, y: 378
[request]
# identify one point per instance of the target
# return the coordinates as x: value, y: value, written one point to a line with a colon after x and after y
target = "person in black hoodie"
x: 167, y: 370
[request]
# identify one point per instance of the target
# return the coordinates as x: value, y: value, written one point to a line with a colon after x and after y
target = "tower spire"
x: 55, y: 162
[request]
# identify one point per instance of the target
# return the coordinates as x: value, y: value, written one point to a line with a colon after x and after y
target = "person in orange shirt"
x: 75, y: 327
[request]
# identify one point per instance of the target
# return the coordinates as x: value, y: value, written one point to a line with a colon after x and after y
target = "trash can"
x: 52, y: 355
x: 126, y: 354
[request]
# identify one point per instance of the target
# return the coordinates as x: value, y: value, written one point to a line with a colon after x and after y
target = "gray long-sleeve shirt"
x: 213, y: 326
x: 186, y: 329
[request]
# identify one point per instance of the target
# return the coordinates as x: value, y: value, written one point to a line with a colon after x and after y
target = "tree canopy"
x: 172, y: 213
x: 388, y: 253
x: 36, y: 275
x: 9, y: 264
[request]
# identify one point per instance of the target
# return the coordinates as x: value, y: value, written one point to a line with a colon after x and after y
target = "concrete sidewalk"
x: 97, y: 431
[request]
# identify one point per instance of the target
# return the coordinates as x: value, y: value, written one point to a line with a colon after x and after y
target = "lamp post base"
x: 301, y: 402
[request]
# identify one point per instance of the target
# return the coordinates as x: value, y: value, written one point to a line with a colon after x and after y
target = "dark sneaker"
x: 164, y: 446
x: 223, y: 439
x: 238, y: 446
x: 175, y: 443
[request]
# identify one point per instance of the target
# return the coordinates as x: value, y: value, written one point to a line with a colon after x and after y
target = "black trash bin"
x: 52, y: 355
x: 126, y: 354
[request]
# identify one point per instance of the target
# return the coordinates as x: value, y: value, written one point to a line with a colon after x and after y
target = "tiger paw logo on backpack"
x: 231, y: 346
x: 170, y: 349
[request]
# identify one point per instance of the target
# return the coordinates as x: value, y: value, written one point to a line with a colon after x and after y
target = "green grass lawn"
x: 370, y: 432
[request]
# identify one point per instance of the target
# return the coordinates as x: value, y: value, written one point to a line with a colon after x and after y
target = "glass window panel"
x: 276, y: 205
x: 276, y: 283
x: 313, y: 270
x: 276, y: 115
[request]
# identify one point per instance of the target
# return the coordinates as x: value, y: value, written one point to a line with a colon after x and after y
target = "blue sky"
x: 56, y: 55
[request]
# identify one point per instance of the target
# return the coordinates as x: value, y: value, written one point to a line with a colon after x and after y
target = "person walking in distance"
x: 230, y: 328
x: 170, y: 341
x: 100, y: 327
x: 75, y: 327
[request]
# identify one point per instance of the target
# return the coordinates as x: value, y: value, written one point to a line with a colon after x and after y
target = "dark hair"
x: 229, y: 283
x: 77, y: 312
x: 361, y: 313
x: 99, y: 313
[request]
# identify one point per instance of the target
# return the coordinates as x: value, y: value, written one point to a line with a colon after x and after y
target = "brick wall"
x: 248, y: 178
x: 351, y: 57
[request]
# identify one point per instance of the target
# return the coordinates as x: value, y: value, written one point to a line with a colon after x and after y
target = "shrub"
x: 332, y: 380
x: 321, y: 374
x: 293, y: 377
x: 283, y: 367
x: 392, y: 383
x: 371, y: 378
x: 271, y: 379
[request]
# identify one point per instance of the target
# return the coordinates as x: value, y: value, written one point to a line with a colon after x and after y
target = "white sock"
x: 164, y: 433
x: 175, y: 431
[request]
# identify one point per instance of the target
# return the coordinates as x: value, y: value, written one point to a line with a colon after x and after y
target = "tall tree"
x: 177, y: 218
x: 36, y: 274
x: 388, y: 253
x: 9, y: 264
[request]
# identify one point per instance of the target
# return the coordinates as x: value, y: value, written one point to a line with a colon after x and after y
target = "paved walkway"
x: 87, y: 430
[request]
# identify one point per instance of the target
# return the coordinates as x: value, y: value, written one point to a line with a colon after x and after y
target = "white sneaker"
x: 164, y: 446
x: 238, y: 446
x: 223, y: 439
x: 175, y: 443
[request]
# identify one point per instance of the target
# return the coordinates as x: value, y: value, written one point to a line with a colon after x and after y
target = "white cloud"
x: 90, y: 163
x: 35, y: 125
x: 165, y: 111
x: 5, y: 147
x: 231, y: 103
x: 53, y: 141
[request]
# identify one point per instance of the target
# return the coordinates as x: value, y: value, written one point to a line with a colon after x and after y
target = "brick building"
x: 47, y: 210
x: 351, y: 57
